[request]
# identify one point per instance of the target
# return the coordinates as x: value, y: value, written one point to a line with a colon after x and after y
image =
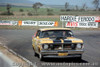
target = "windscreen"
x: 56, y: 33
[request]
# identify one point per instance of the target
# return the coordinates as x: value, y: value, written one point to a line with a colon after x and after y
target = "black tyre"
x: 79, y: 58
x: 41, y: 57
x: 35, y: 54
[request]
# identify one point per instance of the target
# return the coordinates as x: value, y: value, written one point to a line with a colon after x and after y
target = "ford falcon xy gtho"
x: 57, y: 43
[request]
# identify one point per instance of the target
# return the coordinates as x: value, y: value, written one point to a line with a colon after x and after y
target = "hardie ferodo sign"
x: 80, y: 18
x: 80, y: 21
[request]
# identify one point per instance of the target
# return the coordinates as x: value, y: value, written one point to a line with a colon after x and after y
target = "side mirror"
x: 32, y: 37
x: 37, y: 37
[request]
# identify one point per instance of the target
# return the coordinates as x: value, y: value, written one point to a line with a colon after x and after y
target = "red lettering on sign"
x: 97, y: 19
x: 72, y: 24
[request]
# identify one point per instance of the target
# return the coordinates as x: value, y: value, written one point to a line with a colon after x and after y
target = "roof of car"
x: 44, y: 29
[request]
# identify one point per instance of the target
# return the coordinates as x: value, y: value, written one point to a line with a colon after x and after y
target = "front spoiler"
x: 54, y: 54
x: 68, y: 56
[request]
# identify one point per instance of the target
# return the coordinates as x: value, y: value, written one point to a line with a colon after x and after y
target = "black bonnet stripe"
x: 67, y: 41
x: 59, y: 41
x: 56, y: 41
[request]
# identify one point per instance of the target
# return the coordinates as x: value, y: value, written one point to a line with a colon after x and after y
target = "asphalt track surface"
x: 20, y: 42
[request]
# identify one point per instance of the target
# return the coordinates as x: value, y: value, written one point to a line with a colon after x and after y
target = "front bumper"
x: 55, y: 54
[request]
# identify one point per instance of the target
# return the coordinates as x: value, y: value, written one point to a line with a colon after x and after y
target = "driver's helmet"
x: 46, y: 34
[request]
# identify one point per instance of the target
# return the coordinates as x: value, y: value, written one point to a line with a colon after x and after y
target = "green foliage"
x: 96, y: 4
x: 6, y: 10
x: 21, y: 10
x: 66, y: 5
x: 23, y: 14
x: 8, y: 7
x: 62, y: 10
x: 6, y: 13
x: 43, y: 11
x: 50, y: 12
x: 29, y: 14
x: 36, y: 6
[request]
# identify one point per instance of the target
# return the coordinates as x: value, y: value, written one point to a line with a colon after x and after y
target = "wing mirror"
x: 37, y: 37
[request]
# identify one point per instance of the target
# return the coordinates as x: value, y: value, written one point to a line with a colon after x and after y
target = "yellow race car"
x: 56, y: 43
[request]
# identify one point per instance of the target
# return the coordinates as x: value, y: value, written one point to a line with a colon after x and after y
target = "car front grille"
x: 62, y: 46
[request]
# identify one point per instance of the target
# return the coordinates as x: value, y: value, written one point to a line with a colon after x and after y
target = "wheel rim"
x: 40, y: 56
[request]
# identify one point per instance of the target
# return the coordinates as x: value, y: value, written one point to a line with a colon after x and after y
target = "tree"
x: 36, y: 6
x: 76, y: 7
x: 49, y: 11
x: 8, y: 8
x: 96, y: 4
x: 84, y: 6
x: 66, y: 5
x: 21, y: 10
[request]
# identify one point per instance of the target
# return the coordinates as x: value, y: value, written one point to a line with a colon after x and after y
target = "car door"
x: 33, y: 40
x: 36, y: 41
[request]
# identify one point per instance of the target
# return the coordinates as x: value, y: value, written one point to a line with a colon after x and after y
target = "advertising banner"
x: 97, y: 19
x: 46, y: 23
x: 82, y: 24
x: 14, y: 22
x: 37, y: 23
x: 5, y: 22
x: 80, y: 18
x: 29, y: 23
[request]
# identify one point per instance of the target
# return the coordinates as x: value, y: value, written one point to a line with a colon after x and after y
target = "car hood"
x: 65, y: 40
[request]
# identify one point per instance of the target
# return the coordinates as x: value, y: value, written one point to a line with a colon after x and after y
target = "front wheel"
x: 79, y: 58
x: 41, y: 57
x: 35, y: 54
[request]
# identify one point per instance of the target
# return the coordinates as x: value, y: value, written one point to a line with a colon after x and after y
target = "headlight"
x: 45, y: 46
x: 79, y: 46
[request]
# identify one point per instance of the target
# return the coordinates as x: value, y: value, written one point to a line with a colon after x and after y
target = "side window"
x: 70, y: 33
x: 38, y: 33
